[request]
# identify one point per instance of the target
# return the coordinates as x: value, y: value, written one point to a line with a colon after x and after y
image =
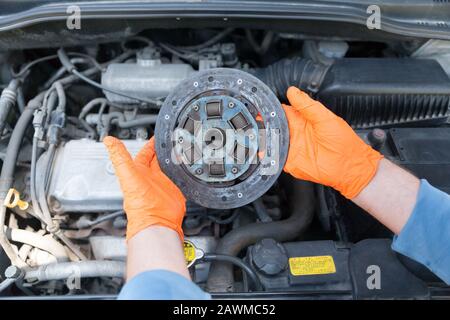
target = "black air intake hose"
x: 302, y: 73
x: 368, y: 92
x: 301, y: 205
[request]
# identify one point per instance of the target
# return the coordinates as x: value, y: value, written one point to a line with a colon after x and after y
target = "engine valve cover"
x: 222, y: 137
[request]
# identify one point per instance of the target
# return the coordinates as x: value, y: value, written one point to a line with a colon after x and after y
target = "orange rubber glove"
x: 325, y: 149
x: 150, y: 197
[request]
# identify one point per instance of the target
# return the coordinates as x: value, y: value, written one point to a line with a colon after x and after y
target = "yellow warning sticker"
x: 189, y: 251
x: 303, y: 266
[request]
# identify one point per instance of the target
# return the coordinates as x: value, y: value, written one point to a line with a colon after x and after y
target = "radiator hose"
x: 301, y: 205
x: 81, y: 269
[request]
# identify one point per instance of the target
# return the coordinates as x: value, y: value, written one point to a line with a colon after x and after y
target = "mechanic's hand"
x: 324, y: 148
x: 150, y: 197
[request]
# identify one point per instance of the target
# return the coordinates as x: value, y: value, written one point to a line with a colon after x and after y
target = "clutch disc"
x: 222, y: 137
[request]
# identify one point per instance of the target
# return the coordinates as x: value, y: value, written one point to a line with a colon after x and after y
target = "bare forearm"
x: 155, y: 248
x: 391, y: 195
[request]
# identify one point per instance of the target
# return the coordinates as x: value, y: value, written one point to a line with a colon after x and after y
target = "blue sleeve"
x: 426, y: 235
x: 161, y: 285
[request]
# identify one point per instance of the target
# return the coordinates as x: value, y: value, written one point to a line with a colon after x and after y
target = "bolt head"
x: 13, y: 272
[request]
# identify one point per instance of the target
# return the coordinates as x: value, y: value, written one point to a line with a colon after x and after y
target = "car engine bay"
x: 62, y: 223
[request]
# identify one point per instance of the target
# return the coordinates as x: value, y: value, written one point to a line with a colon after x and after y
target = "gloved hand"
x: 324, y: 148
x: 150, y: 197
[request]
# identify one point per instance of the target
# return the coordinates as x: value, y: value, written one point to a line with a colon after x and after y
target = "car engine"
x: 251, y: 230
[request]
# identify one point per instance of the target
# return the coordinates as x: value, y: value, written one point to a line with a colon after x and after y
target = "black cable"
x: 237, y: 262
x: 88, y: 224
x: 34, y: 200
x: 209, y: 42
x: 68, y: 80
x: 88, y: 57
x: 148, y: 42
x: 61, y: 71
x: 64, y: 59
x: 226, y: 220
x: 182, y: 55
x: 98, y: 85
x: 41, y: 189
x: 191, y: 53
x: 31, y: 64
x: 91, y: 134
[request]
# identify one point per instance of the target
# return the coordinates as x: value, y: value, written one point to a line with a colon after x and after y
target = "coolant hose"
x: 301, y: 205
x: 299, y: 72
x: 81, y: 269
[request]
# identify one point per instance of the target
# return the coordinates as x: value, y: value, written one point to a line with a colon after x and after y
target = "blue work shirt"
x: 425, y: 238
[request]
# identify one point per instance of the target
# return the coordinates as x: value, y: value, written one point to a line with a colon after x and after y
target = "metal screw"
x: 239, y: 81
x: 251, y: 136
x: 167, y: 117
x: 231, y: 105
x: 180, y: 140
x: 239, y: 195
x: 195, y: 107
x: 195, y: 84
x: 273, y: 114
x: 272, y: 162
x: 234, y: 170
x: 199, y: 171
x: 167, y: 161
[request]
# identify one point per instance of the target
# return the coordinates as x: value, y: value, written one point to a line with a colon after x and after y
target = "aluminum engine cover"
x: 83, y: 178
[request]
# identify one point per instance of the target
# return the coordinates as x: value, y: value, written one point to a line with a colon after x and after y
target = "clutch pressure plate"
x: 222, y: 137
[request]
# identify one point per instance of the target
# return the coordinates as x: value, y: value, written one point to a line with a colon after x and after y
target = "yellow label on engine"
x: 189, y: 252
x: 303, y: 266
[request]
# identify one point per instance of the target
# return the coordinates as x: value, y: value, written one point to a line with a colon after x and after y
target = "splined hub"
x: 222, y: 137
x: 228, y: 133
